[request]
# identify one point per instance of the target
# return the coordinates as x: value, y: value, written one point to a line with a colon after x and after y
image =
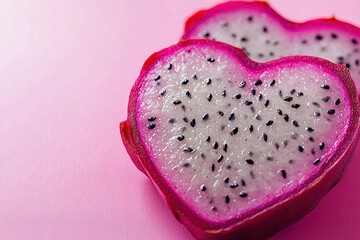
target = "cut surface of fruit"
x: 265, y: 35
x: 225, y: 139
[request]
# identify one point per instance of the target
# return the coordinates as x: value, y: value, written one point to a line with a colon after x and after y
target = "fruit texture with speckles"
x: 265, y: 35
x: 240, y: 149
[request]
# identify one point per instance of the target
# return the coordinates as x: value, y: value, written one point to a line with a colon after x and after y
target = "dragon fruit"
x: 240, y: 149
x: 265, y: 35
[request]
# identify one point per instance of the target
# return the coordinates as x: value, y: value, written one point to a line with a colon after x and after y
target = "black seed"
x: 214, y: 209
x: 157, y: 77
x: 260, y: 55
x: 260, y: 97
x: 354, y: 41
x: 252, y: 175
x: 311, y: 139
x: 357, y: 62
x: 203, y: 188
x: 169, y: 66
x: 265, y: 137
x: 253, y: 91
x: 151, y: 119
x: 300, y: 94
x: 209, y: 97
x: 296, y: 106
x: 233, y: 35
x: 188, y: 149
x: 317, y: 114
x: 215, y: 145
x: 316, y: 161
x: 249, y: 161
x: 304, y: 41
x: 207, y: 34
x: 243, y: 194
x: 242, y: 84
x: 163, y: 92
x: 309, y: 129
x: 348, y: 65
x: 294, y: 135
x: 208, y: 81
x: 285, y: 143
x: 225, y: 146
x: 291, y: 161
x: 286, y: 117
x: 193, y: 123
x: 258, y: 117
x: 210, y: 60
x: 221, y: 113
x: 186, y: 119
x: 243, y: 182
x: 194, y: 76
x: 205, y: 117
x: 272, y: 83
x: 250, y: 19
x: 322, y: 146
x: 225, y: 24
x: 265, y: 30
x: 276, y: 43
x: 337, y: 101
x: 247, y: 103
x: 234, y: 131
x: 227, y: 199
x: 334, y: 36
x: 208, y: 138
x: 313, y: 151
x: 319, y: 37
x: 185, y: 81
x: 171, y: 120
x: 270, y: 158
x: 295, y: 123
x: 251, y: 128
x: 327, y: 87
x: 280, y: 94
x: 237, y: 96
x: 234, y: 185
x: 232, y: 117
x: 271, y: 54
x: 183, y: 108
x: 279, y: 112
x: 293, y: 91
x: 220, y: 158
x: 251, y: 154
x: 258, y: 82
x: 151, y: 126
x: 270, y: 122
x: 244, y: 39
x: 181, y: 137
x: 326, y: 99
x: 277, y: 146
x: 283, y: 173
x: 288, y: 99
x: 177, y: 102
x: 188, y: 94
x: 267, y: 103
x: 316, y: 104
x: 223, y: 93
x: 331, y: 112
x: 213, y: 167
x: 186, y: 165
x: 340, y: 60
x: 203, y: 156
x: 226, y: 180
x: 300, y: 148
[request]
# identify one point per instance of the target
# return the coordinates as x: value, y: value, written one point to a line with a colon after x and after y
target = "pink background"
x: 66, y: 69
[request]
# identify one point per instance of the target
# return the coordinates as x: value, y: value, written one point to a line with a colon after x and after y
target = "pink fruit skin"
x: 325, y: 23
x: 270, y: 220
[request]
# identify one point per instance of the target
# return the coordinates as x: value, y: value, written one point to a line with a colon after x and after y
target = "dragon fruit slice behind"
x: 265, y: 35
x: 238, y: 148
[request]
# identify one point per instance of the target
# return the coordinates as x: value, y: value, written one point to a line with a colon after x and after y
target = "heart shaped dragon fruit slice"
x: 265, y: 35
x: 238, y: 148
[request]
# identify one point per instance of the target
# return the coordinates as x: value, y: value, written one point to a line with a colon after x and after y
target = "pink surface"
x: 66, y: 69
